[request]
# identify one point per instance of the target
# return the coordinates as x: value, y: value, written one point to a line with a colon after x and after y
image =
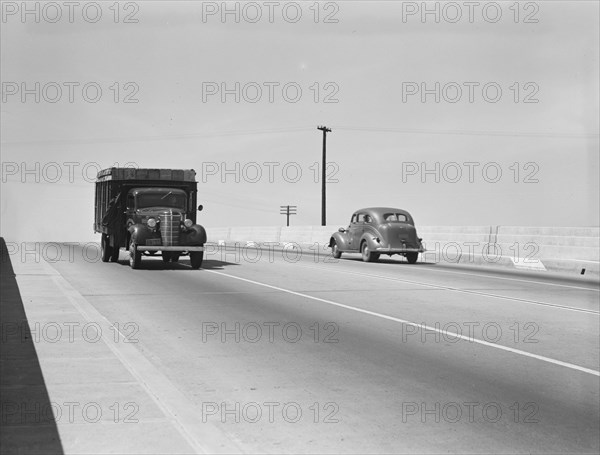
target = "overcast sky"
x: 516, y: 94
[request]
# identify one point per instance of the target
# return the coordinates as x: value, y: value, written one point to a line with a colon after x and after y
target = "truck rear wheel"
x: 196, y: 259
x: 105, y: 249
x: 114, y: 257
x: 135, y: 257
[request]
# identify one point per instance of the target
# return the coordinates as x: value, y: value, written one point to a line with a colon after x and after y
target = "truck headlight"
x: 188, y: 223
x: 151, y: 223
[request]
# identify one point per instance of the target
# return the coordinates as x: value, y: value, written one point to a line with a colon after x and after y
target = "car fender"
x: 342, y: 240
x: 368, y: 237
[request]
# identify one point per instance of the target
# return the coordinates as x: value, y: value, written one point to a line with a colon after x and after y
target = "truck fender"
x: 138, y: 233
x: 194, y: 235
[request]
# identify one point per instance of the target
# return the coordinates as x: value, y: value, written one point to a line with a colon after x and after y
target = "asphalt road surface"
x: 310, y: 354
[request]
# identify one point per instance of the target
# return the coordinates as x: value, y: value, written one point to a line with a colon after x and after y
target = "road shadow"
x: 156, y: 263
x: 387, y: 261
x: 28, y: 424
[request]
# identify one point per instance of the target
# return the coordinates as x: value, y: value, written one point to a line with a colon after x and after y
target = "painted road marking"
x: 543, y: 283
x: 464, y: 291
x: 427, y: 266
x: 413, y: 324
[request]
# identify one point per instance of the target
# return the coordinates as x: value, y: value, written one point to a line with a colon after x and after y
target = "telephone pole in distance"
x: 323, y: 168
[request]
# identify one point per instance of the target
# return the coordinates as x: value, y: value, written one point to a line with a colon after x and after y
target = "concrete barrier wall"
x: 535, y: 248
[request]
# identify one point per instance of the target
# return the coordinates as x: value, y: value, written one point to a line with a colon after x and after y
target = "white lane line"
x: 543, y: 283
x: 413, y: 324
x: 426, y: 266
x: 450, y: 288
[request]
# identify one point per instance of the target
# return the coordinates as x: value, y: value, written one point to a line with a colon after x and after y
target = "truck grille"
x: 169, y: 228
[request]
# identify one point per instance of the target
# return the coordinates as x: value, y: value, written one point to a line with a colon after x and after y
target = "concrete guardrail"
x: 562, y: 249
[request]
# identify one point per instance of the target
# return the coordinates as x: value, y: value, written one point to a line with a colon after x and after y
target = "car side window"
x: 353, y: 220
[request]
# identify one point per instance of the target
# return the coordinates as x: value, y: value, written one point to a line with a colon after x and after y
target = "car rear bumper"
x: 168, y: 248
x: 398, y: 250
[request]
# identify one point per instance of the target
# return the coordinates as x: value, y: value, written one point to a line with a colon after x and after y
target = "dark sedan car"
x: 378, y: 230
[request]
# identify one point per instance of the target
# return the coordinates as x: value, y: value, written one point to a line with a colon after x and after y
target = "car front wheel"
x: 367, y: 254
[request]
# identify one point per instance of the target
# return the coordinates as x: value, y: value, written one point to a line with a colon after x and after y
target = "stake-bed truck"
x: 148, y: 211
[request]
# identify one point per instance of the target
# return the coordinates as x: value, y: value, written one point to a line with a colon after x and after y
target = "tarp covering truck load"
x: 148, y: 211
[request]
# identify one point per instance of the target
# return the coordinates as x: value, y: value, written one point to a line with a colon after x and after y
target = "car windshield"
x: 395, y: 217
x: 169, y: 199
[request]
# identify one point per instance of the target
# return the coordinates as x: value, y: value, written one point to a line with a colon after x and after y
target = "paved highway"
x: 272, y: 354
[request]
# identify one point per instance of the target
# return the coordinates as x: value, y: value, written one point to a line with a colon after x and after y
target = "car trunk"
x: 400, y: 235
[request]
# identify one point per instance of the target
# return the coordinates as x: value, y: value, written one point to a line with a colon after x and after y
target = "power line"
x: 468, y: 132
x: 294, y: 129
x: 162, y: 137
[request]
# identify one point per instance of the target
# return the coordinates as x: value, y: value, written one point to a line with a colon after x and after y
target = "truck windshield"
x: 170, y: 199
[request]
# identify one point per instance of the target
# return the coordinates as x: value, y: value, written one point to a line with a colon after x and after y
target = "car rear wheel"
x: 335, y: 251
x: 196, y: 259
x: 412, y: 257
x: 367, y: 254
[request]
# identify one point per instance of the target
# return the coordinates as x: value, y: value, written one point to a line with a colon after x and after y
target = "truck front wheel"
x: 135, y: 257
x: 196, y: 259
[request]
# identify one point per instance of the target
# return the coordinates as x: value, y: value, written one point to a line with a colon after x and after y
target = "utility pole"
x: 287, y: 210
x: 323, y: 176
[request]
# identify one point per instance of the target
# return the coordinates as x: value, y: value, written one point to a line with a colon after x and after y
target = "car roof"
x: 381, y: 210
